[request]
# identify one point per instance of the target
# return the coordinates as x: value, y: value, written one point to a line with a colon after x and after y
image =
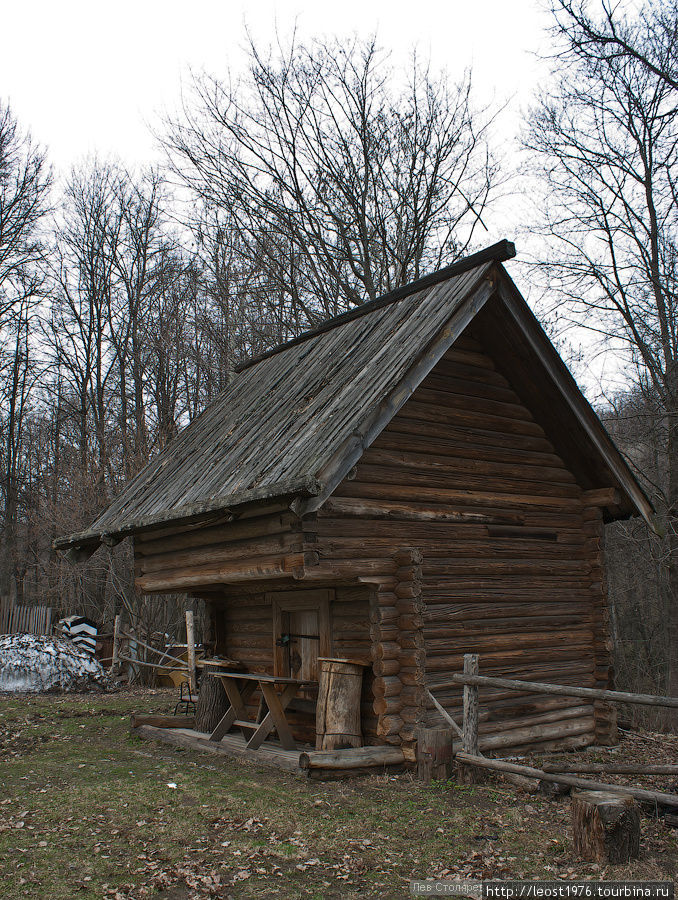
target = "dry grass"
x: 87, y: 811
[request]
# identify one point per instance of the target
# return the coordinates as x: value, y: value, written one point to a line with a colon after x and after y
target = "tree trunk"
x: 338, y: 707
x: 672, y: 537
x: 606, y: 827
x: 212, y: 703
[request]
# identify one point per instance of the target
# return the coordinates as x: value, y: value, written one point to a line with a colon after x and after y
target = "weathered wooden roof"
x: 295, y: 420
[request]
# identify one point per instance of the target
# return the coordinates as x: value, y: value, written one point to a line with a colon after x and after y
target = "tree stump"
x: 212, y: 703
x: 434, y: 754
x: 338, y: 707
x: 605, y: 826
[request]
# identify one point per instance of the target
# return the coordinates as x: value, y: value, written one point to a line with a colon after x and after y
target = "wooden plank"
x: 231, y: 745
x: 237, y: 530
x: 138, y: 719
x: 384, y: 508
x: 189, y: 577
x: 275, y: 718
x: 450, y: 496
x: 168, y: 561
x: 238, y: 699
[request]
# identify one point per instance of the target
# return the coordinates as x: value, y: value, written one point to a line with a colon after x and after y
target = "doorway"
x: 301, y: 632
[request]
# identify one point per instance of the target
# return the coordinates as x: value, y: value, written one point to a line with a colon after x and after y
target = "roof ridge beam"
x: 499, y: 252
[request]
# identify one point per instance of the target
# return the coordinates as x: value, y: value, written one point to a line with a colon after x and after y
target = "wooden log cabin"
x: 416, y: 479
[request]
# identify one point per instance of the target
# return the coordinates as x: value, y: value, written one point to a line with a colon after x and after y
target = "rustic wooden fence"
x: 17, y: 619
x: 187, y: 672
x: 469, y: 757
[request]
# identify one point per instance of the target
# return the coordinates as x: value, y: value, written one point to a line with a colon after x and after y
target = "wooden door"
x: 301, y: 632
x: 304, y: 644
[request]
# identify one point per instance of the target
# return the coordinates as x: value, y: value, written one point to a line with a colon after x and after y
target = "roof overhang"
x: 582, y: 413
x: 350, y: 452
x: 81, y: 545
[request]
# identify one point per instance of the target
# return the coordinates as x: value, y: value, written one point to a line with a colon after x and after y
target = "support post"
x: 115, y: 661
x: 190, y: 641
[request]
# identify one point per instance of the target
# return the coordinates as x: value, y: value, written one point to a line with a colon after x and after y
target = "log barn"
x: 413, y: 480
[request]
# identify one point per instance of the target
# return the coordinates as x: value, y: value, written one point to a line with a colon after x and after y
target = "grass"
x: 88, y: 810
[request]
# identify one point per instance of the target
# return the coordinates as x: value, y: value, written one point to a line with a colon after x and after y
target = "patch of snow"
x: 36, y: 663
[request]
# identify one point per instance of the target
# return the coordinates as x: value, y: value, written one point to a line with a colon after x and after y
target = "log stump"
x: 338, y: 709
x: 605, y: 826
x: 212, y: 703
x: 434, y: 754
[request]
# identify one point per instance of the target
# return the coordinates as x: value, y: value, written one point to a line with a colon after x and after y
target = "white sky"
x: 92, y: 76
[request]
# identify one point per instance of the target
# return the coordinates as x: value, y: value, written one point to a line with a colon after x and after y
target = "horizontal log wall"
x: 512, y: 563
x: 261, y: 545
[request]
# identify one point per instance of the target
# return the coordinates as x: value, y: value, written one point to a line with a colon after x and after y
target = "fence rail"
x: 562, y: 690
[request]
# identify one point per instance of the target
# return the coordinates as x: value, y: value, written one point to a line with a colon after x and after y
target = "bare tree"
x: 25, y: 181
x: 81, y: 309
x: 19, y: 371
x: 604, y: 139
x: 136, y: 251
x: 339, y: 189
x: 638, y: 588
x: 24, y: 186
x: 649, y: 38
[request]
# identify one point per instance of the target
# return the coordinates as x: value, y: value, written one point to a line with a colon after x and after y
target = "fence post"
x: 190, y: 641
x: 470, y: 729
x: 467, y: 774
x: 115, y: 662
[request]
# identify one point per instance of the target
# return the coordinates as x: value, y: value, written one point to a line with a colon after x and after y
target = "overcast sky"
x: 92, y: 77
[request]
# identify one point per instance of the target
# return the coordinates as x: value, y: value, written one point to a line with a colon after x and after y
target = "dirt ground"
x: 89, y: 810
